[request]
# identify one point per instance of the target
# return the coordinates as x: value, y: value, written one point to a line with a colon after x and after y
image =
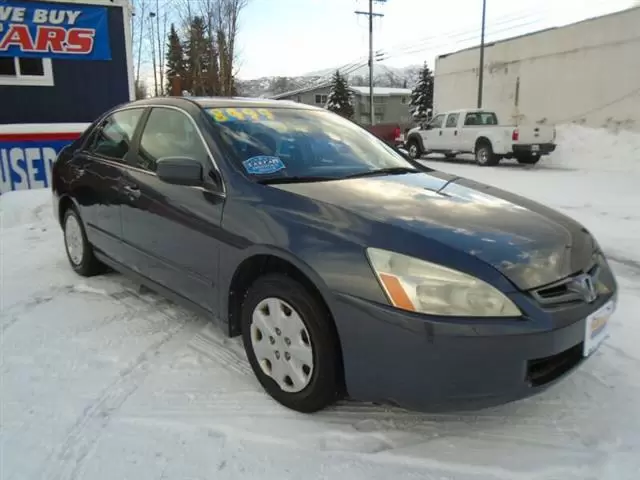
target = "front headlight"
x: 426, y: 287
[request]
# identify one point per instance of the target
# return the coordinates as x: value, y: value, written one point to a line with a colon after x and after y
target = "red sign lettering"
x: 19, y: 36
x: 80, y: 40
x: 49, y: 39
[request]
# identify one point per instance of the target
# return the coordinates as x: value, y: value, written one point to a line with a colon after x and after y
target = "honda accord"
x: 348, y: 269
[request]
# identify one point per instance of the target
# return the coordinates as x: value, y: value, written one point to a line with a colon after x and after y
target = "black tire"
x: 485, y: 156
x: 414, y: 148
x: 323, y: 388
x: 528, y: 159
x: 87, y: 265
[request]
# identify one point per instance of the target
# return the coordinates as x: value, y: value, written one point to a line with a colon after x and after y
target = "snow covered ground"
x: 101, y: 380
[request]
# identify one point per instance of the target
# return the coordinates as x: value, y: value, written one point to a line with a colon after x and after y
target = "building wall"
x: 587, y: 73
x: 82, y: 90
x: 391, y: 110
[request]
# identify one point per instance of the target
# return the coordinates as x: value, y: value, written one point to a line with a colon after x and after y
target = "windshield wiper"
x: 384, y: 171
x: 274, y: 180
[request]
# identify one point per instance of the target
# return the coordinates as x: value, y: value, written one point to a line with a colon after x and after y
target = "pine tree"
x: 339, y: 99
x: 176, y: 66
x: 421, y: 105
x: 198, y: 58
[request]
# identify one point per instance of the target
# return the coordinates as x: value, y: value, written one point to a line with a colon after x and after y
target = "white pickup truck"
x: 477, y: 131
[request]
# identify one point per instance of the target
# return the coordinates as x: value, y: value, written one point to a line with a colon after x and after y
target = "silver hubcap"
x: 73, y: 239
x: 413, y: 151
x: 282, y: 344
x: 482, y: 155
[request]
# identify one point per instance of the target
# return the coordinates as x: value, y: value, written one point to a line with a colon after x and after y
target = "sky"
x: 295, y: 37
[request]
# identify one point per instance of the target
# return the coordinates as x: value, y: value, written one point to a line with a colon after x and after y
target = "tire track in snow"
x: 227, y: 352
x: 67, y: 460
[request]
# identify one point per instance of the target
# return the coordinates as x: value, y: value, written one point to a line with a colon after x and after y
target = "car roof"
x: 228, y: 102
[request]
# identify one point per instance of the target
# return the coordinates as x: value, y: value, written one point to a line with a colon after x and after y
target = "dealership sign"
x: 39, y: 29
x: 27, y: 153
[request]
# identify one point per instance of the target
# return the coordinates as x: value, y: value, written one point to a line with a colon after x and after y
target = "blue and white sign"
x: 27, y: 165
x: 263, y: 165
x: 54, y: 30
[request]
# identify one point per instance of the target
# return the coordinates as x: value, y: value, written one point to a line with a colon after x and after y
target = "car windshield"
x: 302, y: 145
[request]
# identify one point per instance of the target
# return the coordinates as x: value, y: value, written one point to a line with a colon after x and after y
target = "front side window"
x: 452, y: 120
x: 113, y: 137
x: 437, y: 122
x: 300, y: 143
x: 169, y: 133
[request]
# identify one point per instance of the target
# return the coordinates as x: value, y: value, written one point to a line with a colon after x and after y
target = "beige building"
x: 587, y: 72
x: 391, y: 105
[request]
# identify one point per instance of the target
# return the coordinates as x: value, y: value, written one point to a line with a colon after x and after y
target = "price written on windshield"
x: 242, y: 114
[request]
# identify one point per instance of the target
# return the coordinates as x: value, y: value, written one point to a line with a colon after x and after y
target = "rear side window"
x: 452, y: 120
x: 170, y: 133
x: 113, y: 138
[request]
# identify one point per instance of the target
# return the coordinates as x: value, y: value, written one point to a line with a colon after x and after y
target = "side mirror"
x: 180, y: 171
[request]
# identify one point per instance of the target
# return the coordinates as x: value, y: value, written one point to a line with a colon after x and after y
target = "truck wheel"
x: 414, y: 148
x: 485, y: 156
x: 528, y: 159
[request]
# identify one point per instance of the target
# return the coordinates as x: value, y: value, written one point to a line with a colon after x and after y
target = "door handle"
x: 455, y: 132
x: 440, y: 133
x: 131, y: 191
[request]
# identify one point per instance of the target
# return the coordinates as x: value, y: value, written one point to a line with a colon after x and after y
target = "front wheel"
x: 291, y: 344
x: 414, y: 148
x: 485, y: 156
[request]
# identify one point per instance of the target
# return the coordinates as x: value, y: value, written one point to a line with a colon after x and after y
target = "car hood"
x: 532, y: 245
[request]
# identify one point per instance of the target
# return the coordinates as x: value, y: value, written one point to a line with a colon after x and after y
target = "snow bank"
x: 596, y: 149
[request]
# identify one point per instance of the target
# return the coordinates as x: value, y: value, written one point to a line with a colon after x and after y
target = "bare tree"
x: 140, y: 9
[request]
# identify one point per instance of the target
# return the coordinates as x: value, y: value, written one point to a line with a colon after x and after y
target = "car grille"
x: 560, y: 292
x: 544, y: 370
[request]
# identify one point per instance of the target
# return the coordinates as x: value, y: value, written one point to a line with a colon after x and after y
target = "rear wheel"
x: 528, y: 159
x: 485, y: 156
x: 79, y: 250
x: 291, y: 344
x: 414, y: 148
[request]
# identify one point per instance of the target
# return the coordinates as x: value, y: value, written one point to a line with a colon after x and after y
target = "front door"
x: 432, y: 134
x: 100, y: 168
x: 174, y: 230
x: 450, y: 138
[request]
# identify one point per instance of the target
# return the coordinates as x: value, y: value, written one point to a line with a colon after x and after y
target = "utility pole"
x: 371, y: 14
x: 481, y: 69
x: 153, y: 54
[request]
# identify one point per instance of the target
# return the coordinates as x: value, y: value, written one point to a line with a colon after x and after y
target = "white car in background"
x: 478, y: 132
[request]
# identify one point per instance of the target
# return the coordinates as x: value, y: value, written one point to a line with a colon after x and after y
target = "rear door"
x: 469, y: 130
x: 174, y: 231
x: 100, y: 168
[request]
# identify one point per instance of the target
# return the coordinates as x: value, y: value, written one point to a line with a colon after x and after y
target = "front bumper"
x: 543, y: 149
x: 434, y: 364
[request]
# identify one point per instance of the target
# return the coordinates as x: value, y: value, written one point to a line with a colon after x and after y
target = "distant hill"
x: 384, y: 76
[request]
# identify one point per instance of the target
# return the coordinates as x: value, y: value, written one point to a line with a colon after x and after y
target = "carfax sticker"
x: 263, y: 165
